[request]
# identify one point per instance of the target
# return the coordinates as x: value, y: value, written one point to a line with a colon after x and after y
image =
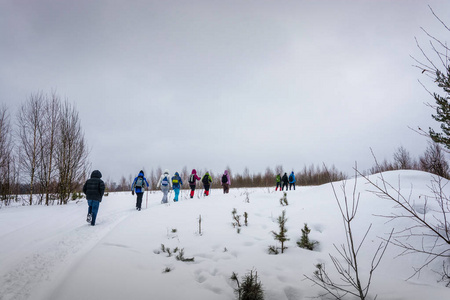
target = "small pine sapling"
x: 236, y: 218
x: 246, y: 218
x: 304, y: 242
x: 250, y: 288
x: 181, y: 257
x: 281, y: 235
x: 283, y: 200
x: 273, y: 250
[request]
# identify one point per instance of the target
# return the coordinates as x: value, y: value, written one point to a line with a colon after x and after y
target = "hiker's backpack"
x: 175, y: 179
x: 205, y: 179
x: 165, y: 181
x: 192, y: 179
x: 139, y: 182
x: 291, y: 178
x: 224, y: 178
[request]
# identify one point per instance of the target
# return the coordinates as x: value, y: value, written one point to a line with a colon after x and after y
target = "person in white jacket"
x: 165, y: 183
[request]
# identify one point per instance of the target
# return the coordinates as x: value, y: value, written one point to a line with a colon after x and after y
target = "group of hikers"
x: 283, y: 182
x: 94, y: 187
x: 167, y: 182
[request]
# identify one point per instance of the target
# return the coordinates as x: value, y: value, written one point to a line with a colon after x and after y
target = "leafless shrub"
x: 433, y: 160
x: 30, y: 134
x: 71, y: 152
x: 347, y: 264
x: 426, y: 235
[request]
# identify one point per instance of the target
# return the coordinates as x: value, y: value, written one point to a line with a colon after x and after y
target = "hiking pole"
x: 146, y: 200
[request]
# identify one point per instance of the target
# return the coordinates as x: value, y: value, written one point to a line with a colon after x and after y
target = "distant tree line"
x: 432, y: 160
x: 313, y: 175
x: 43, y: 152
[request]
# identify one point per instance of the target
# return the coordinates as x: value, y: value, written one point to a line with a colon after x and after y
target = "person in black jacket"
x: 285, y: 181
x: 94, y: 188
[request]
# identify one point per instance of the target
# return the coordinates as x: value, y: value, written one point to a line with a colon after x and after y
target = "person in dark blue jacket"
x: 94, y: 188
x: 139, y: 185
x: 176, y: 185
x: 292, y: 181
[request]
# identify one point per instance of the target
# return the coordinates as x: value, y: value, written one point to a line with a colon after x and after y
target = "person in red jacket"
x: 192, y: 181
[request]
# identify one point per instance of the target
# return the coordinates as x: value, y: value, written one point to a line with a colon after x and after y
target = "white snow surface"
x: 52, y: 253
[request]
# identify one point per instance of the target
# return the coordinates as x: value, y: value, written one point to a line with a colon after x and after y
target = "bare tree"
x: 49, y: 134
x: 402, y: 159
x: 7, y: 159
x: 279, y: 169
x: 269, y: 177
x: 123, y: 184
x: 185, y: 175
x: 430, y: 236
x: 433, y: 160
x: 348, y: 265
x: 30, y: 128
x: 71, y: 152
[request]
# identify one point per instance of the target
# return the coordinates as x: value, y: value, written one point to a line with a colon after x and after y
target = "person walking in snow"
x: 292, y: 181
x: 192, y: 181
x: 138, y: 186
x: 206, y: 180
x: 165, y: 183
x: 278, y: 178
x: 226, y: 182
x: 176, y: 184
x: 284, y: 181
x: 94, y: 188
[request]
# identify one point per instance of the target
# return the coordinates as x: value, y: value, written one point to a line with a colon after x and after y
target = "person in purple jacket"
x: 226, y: 182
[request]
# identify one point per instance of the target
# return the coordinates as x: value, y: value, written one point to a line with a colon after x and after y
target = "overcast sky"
x: 211, y: 84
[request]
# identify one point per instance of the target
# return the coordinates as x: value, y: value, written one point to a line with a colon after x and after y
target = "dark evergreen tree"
x: 250, y: 288
x: 442, y: 109
x: 281, y: 235
x: 304, y: 242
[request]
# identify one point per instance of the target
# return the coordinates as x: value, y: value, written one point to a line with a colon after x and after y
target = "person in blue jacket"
x: 292, y: 181
x: 139, y: 185
x: 176, y: 185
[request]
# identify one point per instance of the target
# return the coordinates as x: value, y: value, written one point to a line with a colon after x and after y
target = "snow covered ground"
x: 52, y: 253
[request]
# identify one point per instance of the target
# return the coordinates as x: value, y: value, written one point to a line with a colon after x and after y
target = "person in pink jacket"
x: 192, y: 181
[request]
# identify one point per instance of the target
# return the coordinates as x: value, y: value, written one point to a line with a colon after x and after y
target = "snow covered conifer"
x: 281, y: 235
x: 304, y: 242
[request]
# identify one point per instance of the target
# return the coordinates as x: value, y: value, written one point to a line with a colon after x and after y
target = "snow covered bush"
x: 281, y: 235
x: 283, y: 200
x: 304, y: 242
x: 249, y: 288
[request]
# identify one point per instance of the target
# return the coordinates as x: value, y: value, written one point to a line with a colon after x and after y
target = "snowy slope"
x: 52, y: 253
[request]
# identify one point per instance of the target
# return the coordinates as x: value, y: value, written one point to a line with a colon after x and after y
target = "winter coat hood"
x: 226, y: 172
x: 141, y: 174
x: 194, y: 171
x: 176, y: 174
x: 96, y: 174
x: 166, y: 171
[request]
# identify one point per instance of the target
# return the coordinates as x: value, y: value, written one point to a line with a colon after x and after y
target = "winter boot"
x: 89, y: 218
